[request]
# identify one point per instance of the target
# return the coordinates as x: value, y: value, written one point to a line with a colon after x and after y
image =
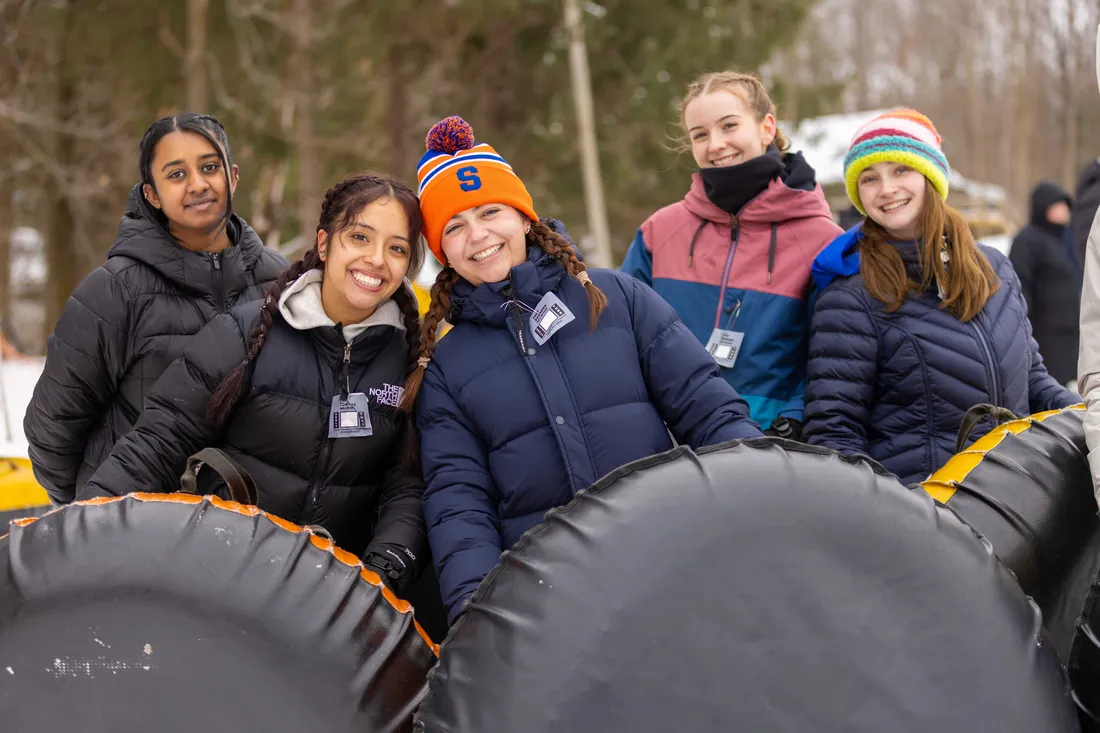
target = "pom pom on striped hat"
x: 450, y: 135
x: 900, y: 136
x: 457, y: 173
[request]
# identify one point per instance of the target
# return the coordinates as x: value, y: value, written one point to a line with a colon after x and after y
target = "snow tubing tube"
x: 756, y: 586
x: 1084, y: 659
x: 1026, y: 488
x: 171, y: 612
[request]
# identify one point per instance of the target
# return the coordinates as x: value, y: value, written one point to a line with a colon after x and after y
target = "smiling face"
x: 365, y: 262
x: 189, y: 185
x: 723, y: 130
x: 484, y: 243
x: 893, y: 196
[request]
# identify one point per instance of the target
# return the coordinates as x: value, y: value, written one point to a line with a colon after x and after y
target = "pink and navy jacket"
x: 763, y: 255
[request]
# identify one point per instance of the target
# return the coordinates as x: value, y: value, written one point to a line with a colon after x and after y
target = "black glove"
x: 392, y: 567
x: 784, y: 427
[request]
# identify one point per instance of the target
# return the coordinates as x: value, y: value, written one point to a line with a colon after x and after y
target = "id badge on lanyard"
x: 725, y: 344
x: 350, y: 417
x: 549, y: 317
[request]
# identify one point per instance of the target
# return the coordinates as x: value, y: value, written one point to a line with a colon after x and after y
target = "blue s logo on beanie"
x: 468, y: 178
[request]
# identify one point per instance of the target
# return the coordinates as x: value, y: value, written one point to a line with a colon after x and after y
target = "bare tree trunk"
x: 195, y: 61
x: 308, y: 163
x: 6, y: 229
x: 397, y: 101
x: 61, y: 258
x: 1069, y: 60
x: 863, y: 52
x: 586, y: 124
x: 976, y: 131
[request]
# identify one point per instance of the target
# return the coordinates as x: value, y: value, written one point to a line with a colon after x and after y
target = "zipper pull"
x: 347, y: 376
x: 517, y: 319
x: 217, y: 261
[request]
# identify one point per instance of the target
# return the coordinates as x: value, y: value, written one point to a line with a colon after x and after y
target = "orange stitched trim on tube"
x: 321, y: 543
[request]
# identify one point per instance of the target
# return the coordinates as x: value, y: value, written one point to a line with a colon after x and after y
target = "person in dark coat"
x: 1085, y: 205
x: 914, y: 322
x: 270, y: 383
x: 552, y: 375
x: 1049, y: 279
x: 181, y: 257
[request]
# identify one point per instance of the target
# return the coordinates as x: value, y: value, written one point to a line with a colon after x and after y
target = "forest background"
x: 312, y: 89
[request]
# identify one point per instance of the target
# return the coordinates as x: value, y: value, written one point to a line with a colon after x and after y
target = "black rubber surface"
x: 760, y: 587
x: 140, y: 615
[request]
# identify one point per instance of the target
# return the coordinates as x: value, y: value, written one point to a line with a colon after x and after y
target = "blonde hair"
x: 748, y: 88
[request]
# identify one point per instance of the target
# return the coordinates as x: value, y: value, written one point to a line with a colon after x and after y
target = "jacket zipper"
x: 735, y: 237
x: 517, y: 317
x: 216, y: 257
x: 990, y: 365
x: 930, y: 422
x: 314, y: 494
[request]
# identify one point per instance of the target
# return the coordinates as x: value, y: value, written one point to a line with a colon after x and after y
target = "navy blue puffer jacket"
x: 895, y: 386
x: 507, y: 434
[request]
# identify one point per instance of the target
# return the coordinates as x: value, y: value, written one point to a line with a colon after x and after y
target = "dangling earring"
x: 944, y: 258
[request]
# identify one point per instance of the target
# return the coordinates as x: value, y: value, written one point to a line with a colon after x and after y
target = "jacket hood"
x: 527, y: 282
x: 794, y: 195
x: 838, y: 259
x: 143, y: 238
x: 300, y: 306
x: 1043, y: 196
x: 1089, y: 177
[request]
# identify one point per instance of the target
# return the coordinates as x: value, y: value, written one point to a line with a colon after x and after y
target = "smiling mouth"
x: 487, y: 252
x: 892, y: 207
x: 724, y: 161
x: 367, y: 281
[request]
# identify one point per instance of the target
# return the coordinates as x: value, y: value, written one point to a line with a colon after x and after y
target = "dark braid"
x: 340, y: 205
x: 437, y: 313
x: 410, y: 311
x: 553, y: 243
x: 228, y: 393
x: 429, y: 330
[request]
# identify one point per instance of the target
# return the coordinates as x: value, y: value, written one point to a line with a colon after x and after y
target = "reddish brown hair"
x: 968, y: 280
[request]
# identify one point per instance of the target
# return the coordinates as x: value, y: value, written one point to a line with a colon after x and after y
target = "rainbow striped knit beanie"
x: 901, y: 136
x: 458, y: 174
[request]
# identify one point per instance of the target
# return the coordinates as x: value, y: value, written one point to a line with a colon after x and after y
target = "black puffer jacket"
x: 278, y: 432
x: 1049, y: 282
x: 122, y: 326
x: 1085, y: 205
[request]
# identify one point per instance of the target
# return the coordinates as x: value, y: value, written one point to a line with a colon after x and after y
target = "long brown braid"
x: 340, y: 205
x: 540, y: 235
x: 557, y: 245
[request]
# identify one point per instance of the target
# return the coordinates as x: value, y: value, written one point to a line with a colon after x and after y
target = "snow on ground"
x: 17, y: 380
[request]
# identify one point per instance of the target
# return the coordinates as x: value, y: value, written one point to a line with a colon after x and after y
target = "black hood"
x: 1043, y: 196
x: 1090, y: 178
x: 142, y: 237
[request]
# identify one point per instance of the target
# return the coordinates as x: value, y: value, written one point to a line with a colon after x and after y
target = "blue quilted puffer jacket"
x: 508, y: 432
x: 895, y: 386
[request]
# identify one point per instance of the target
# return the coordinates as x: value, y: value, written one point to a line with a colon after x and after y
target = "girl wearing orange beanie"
x: 552, y: 375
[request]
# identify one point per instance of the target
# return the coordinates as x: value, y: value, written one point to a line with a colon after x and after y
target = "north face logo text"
x: 387, y: 394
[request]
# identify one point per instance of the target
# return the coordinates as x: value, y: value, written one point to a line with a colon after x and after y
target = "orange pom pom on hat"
x: 458, y: 174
